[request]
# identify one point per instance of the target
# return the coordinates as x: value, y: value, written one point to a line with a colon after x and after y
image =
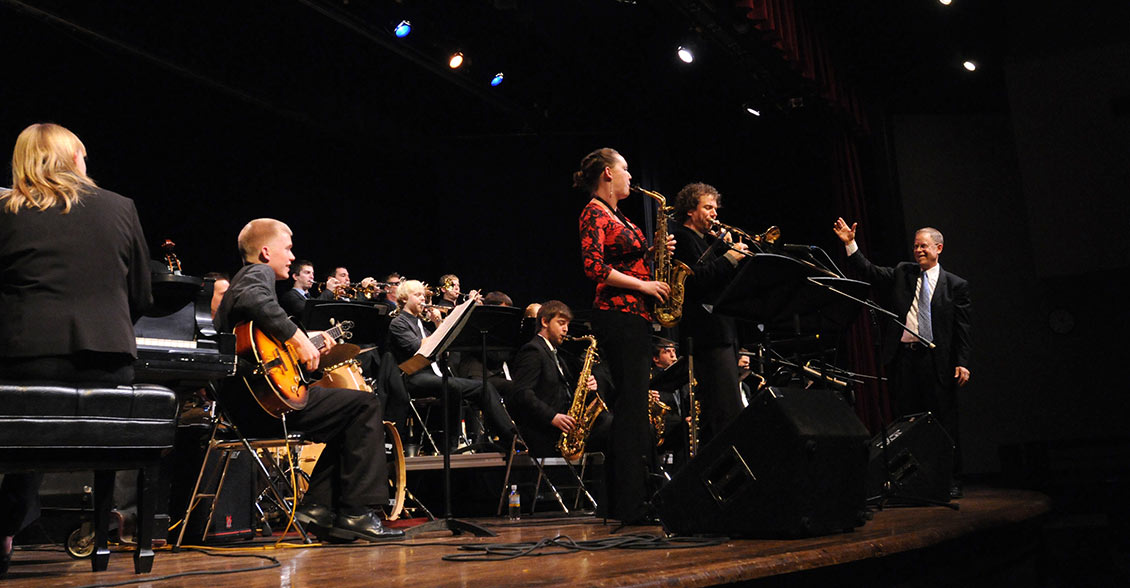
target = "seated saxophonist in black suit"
x: 406, y: 333
x: 544, y: 386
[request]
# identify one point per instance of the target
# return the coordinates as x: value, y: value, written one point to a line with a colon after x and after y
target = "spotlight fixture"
x: 752, y: 109
x: 456, y: 60
x: 403, y: 29
x: 496, y: 80
x: 970, y: 65
x: 946, y: 2
x: 685, y: 54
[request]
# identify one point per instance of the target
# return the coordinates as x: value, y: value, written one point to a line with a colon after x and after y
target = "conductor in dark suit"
x: 544, y: 386
x: 715, y: 348
x: 74, y: 276
x: 934, y: 303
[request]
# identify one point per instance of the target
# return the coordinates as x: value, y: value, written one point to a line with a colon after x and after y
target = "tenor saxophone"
x: 656, y: 410
x: 583, y: 411
x: 671, y: 271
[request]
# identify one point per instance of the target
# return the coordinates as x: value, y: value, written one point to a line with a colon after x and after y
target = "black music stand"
x: 674, y: 377
x: 370, y: 320
x: 776, y: 291
x: 454, y: 324
x: 490, y: 328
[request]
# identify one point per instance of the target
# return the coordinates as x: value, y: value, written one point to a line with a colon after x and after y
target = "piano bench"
x: 53, y: 428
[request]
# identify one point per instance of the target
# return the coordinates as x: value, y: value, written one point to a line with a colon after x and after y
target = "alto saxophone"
x: 671, y: 271
x: 656, y: 410
x: 582, y: 411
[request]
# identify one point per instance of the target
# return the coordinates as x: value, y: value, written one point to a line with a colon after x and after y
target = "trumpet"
x: 769, y: 237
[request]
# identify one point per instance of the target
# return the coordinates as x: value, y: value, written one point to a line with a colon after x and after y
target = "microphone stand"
x: 891, y: 488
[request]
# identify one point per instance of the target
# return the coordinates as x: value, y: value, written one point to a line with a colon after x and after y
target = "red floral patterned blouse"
x: 608, y: 243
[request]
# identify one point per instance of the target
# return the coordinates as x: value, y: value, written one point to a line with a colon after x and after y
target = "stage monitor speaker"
x: 921, y: 461
x: 792, y: 464
x: 232, y: 519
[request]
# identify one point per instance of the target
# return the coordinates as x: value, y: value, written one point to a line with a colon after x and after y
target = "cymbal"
x: 341, y: 353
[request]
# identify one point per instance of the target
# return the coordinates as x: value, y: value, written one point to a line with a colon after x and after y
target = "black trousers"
x: 19, y: 493
x: 716, y: 371
x: 917, y: 388
x: 625, y: 347
x: 425, y: 383
x: 352, y: 472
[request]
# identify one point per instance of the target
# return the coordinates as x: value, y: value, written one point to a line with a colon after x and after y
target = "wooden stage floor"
x: 1006, y: 516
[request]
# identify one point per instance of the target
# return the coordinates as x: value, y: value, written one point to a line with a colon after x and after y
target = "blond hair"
x: 258, y: 233
x: 44, y: 172
x: 406, y: 289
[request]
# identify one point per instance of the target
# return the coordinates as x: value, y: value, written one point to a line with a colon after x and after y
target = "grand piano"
x: 177, y: 343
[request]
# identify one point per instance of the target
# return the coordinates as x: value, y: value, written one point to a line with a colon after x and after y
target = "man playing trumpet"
x: 715, y: 337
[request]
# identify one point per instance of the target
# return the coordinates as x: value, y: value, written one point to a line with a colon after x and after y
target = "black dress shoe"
x: 315, y: 518
x: 367, y: 526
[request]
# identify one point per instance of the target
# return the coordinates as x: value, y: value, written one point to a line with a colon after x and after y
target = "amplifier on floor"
x: 792, y: 464
x: 232, y: 520
x: 921, y: 461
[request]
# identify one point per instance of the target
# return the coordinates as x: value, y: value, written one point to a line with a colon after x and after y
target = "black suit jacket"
x: 293, y: 302
x: 404, y: 336
x: 711, y: 275
x: 950, y: 310
x: 73, y: 282
x: 251, y: 297
x: 540, y: 391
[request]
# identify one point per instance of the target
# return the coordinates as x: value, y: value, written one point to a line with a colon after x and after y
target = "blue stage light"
x: 496, y: 80
x: 403, y: 29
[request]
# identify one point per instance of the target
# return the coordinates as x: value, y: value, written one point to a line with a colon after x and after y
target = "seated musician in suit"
x: 294, y: 299
x: 544, y: 386
x: 449, y: 290
x: 407, y: 332
x: 664, y: 354
x: 350, y: 481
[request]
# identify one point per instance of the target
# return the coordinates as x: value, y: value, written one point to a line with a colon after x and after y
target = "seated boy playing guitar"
x: 349, y: 484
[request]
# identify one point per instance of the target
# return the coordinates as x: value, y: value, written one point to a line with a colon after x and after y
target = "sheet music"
x: 437, y: 342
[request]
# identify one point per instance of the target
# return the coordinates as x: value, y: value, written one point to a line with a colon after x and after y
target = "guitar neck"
x: 319, y: 340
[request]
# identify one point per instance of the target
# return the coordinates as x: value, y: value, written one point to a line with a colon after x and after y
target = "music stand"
x: 674, y: 377
x: 448, y: 333
x: 370, y: 320
x: 490, y: 329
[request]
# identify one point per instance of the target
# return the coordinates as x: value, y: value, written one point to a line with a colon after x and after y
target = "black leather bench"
x: 58, y: 428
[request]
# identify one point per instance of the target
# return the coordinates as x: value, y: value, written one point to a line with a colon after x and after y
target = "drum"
x: 397, y: 475
x: 346, y: 374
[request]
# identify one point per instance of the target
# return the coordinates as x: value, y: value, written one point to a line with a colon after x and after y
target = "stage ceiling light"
x: 403, y: 29
x: 970, y: 65
x: 946, y: 2
x: 752, y: 109
x: 496, y: 80
x: 456, y: 60
x: 685, y: 54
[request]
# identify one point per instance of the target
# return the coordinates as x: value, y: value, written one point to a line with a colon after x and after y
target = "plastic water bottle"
x: 515, y: 510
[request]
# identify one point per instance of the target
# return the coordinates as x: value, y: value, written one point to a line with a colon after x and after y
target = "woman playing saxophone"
x: 614, y: 252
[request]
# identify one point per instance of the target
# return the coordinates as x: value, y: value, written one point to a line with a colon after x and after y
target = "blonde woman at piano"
x: 74, y: 275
